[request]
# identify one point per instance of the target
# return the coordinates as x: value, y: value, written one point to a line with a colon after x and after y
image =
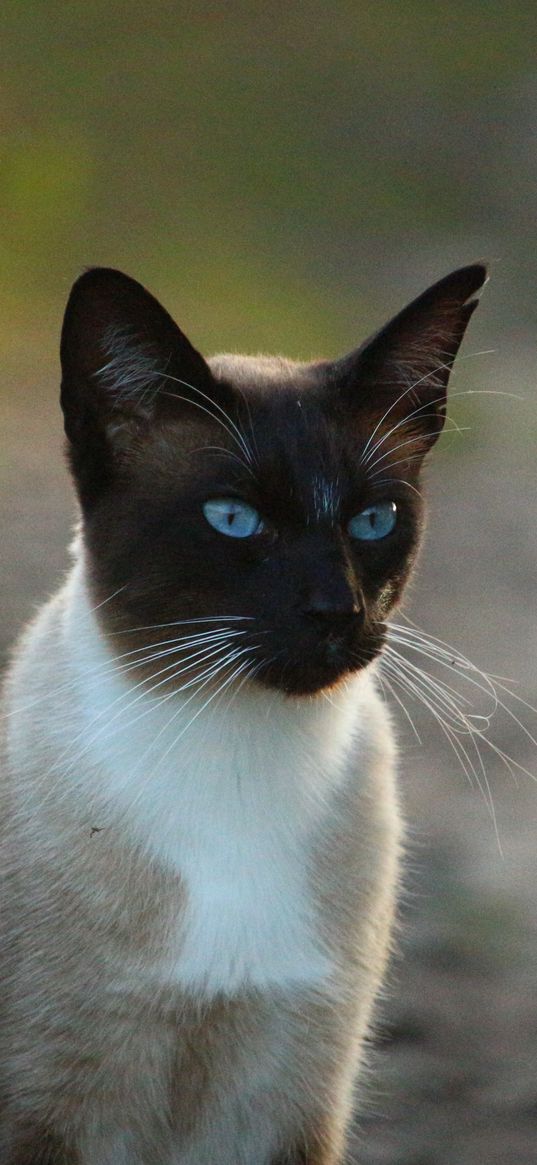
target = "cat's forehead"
x: 272, y: 438
x: 296, y: 449
x: 285, y: 396
x: 256, y: 374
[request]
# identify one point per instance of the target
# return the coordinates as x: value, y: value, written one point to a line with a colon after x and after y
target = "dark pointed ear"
x: 122, y: 356
x: 403, y: 370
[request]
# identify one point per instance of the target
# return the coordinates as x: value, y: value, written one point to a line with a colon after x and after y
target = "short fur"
x: 200, y: 829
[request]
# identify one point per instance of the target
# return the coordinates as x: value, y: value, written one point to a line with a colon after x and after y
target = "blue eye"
x: 374, y: 523
x: 234, y: 518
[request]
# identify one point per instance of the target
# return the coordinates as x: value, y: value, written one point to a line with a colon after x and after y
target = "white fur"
x: 231, y: 796
x: 325, y: 498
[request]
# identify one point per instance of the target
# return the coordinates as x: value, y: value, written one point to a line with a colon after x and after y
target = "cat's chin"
x: 300, y: 678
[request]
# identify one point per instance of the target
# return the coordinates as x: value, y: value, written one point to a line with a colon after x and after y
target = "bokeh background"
x: 284, y: 177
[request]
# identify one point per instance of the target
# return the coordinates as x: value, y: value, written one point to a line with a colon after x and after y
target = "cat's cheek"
x: 386, y: 599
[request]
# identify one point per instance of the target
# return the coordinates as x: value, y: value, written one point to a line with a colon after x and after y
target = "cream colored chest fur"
x: 231, y: 797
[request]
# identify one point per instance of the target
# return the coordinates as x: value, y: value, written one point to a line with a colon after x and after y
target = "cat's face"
x: 253, y: 518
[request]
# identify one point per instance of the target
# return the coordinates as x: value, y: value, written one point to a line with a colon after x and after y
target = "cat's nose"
x: 332, y: 611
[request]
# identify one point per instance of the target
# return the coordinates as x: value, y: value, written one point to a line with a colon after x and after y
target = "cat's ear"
x: 403, y: 370
x: 123, y: 359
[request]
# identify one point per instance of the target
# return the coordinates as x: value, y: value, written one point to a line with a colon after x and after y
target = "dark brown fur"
x: 41, y: 1147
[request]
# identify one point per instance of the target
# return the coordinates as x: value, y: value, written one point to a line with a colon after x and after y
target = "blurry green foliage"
x: 282, y: 175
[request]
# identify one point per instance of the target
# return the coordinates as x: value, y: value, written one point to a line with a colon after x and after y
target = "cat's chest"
x: 235, y: 815
x: 249, y: 916
x: 244, y: 858
x: 232, y: 805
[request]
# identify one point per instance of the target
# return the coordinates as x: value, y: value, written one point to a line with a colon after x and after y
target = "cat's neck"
x: 160, y: 757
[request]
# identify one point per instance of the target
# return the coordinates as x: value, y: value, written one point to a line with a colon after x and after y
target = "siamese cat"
x: 200, y: 831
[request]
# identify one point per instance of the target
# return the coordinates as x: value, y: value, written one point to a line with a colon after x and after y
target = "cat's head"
x: 253, y: 517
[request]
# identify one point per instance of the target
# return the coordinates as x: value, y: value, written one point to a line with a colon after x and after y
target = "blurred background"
x: 284, y: 178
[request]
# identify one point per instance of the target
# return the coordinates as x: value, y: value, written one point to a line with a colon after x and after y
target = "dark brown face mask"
x: 281, y: 496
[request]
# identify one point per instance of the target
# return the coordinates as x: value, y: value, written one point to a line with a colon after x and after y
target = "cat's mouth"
x: 298, y: 673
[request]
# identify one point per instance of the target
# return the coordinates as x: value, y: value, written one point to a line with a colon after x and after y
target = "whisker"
x: 440, y: 368
x: 213, y: 671
x: 231, y: 658
x: 146, y: 691
x: 398, y: 481
x: 489, y: 685
x: 412, y: 441
x: 452, y: 734
x: 228, y: 453
x: 454, y: 661
x: 432, y: 372
x: 179, y: 644
x: 418, y: 457
x: 449, y: 699
x: 108, y: 668
x: 185, y: 622
x: 451, y: 707
x: 427, y: 405
x: 246, y: 403
x: 451, y: 653
x: 198, y: 682
x: 249, y: 674
x: 227, y: 423
x: 384, y: 680
x: 109, y: 599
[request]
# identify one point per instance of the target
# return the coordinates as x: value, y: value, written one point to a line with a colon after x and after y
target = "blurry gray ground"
x: 454, y: 1070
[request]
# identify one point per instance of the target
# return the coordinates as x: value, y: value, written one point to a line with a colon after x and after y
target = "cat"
x: 200, y: 825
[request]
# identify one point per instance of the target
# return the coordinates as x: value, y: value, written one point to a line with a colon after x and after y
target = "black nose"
x: 332, y: 612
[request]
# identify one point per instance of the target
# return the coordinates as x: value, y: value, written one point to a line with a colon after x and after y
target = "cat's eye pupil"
x: 231, y: 517
x: 373, y: 523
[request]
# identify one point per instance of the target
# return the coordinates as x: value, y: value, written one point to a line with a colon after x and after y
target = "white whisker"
x: 225, y: 683
x: 418, y: 412
x: 452, y: 707
x: 229, y: 659
x: 109, y: 668
x: 185, y: 622
x: 399, y: 481
x: 128, y: 694
x: 227, y: 423
x: 109, y: 599
x: 412, y: 441
x: 452, y: 733
x: 432, y: 372
x: 384, y: 680
x: 227, y: 452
